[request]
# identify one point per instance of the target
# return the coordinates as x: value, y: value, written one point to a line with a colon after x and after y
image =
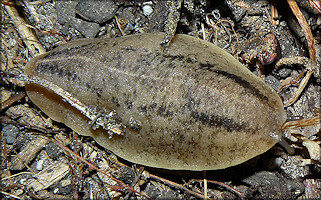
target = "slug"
x: 190, y: 107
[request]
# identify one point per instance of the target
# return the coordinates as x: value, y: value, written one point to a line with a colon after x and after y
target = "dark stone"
x: 127, y: 175
x: 268, y: 185
x: 10, y: 132
x: 65, y: 11
x: 273, y: 82
x: 97, y: 11
x: 53, y: 150
x: 87, y: 29
x: 67, y: 17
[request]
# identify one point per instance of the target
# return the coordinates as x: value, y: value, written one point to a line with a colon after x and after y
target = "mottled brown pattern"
x: 197, y: 107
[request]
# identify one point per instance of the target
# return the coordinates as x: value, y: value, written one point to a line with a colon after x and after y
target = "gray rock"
x: 10, y: 132
x: 65, y: 11
x: 272, y: 186
x: 96, y: 11
x: 87, y: 29
x: 273, y: 82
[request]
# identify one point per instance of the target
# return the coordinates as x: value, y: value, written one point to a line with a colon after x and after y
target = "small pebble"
x: 66, y: 182
x: 22, y: 181
x: 39, y: 165
x: 273, y: 82
x: 12, y: 42
x: 56, y: 190
x: 18, y: 192
x: 10, y: 132
x: 147, y: 8
x: 272, y: 163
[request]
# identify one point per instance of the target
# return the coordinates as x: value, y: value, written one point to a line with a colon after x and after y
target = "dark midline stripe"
x: 220, y: 121
x: 237, y: 79
x: 54, y: 69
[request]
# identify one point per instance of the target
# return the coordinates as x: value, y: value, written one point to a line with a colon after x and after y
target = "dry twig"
x: 30, y: 40
x: 301, y: 123
x: 121, y: 183
x: 305, y: 27
x: 221, y: 184
x: 309, y: 37
x: 120, y: 26
x: 14, y: 98
x: 176, y: 185
x: 274, y: 12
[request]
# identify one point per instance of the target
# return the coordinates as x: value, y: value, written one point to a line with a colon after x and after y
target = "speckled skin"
x: 196, y: 107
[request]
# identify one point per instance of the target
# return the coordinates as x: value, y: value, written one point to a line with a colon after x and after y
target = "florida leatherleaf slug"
x: 192, y: 107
